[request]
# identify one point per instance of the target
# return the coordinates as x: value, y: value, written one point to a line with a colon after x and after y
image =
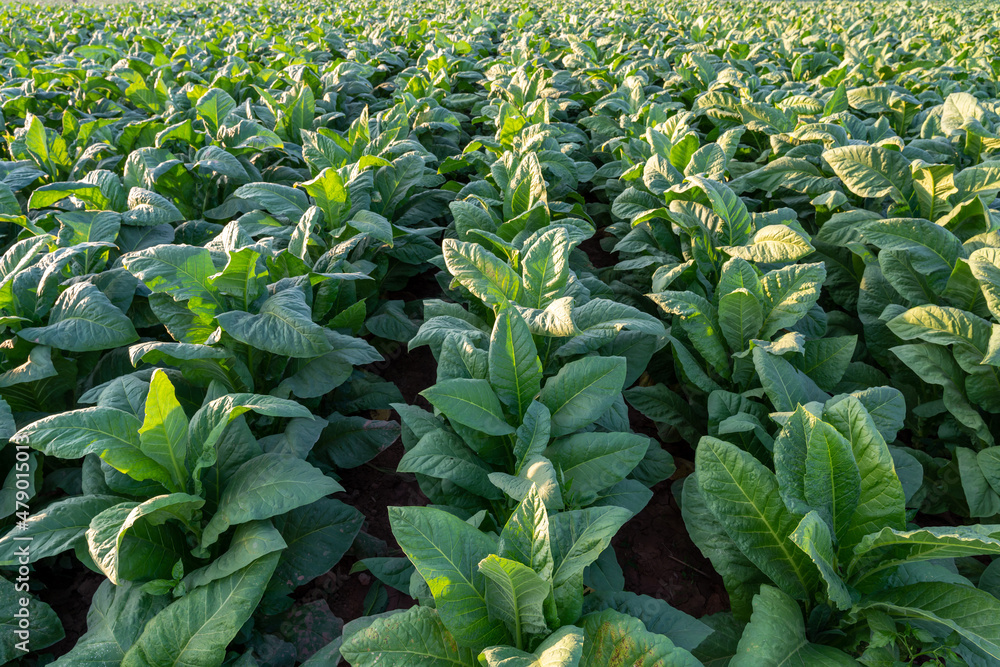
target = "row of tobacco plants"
x: 206, y: 211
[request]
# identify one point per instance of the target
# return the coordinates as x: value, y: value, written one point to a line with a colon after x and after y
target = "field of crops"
x: 501, y: 334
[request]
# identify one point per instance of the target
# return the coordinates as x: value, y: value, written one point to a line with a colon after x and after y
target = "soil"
x: 598, y: 256
x: 660, y: 560
x: 69, y: 592
x: 411, y: 371
x: 371, y: 489
x: 375, y: 486
x: 657, y: 556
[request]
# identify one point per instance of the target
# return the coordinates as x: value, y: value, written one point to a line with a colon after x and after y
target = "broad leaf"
x: 743, y: 495
x: 582, y: 391
x: 514, y: 368
x: 514, y: 595
x: 83, y: 319
x: 973, y: 614
x: 283, y: 325
x: 471, y: 403
x: 196, y: 629
x: 413, y: 638
x: 776, y: 636
x: 446, y: 552
x: 614, y: 638
x: 264, y: 487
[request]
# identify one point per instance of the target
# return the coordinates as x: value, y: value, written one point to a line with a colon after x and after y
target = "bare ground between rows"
x: 69, y: 592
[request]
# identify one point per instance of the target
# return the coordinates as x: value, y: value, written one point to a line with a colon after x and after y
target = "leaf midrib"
x: 763, y: 518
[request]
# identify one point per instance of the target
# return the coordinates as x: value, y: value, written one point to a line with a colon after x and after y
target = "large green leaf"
x: 591, y: 462
x: 331, y: 195
x: 216, y: 160
x: 981, y: 180
x: 446, y: 552
x: 164, y: 432
x: 43, y: 625
x: 525, y: 536
x: 18, y: 257
x: 514, y: 368
x: 213, y: 107
x: 283, y: 325
x: 8, y: 202
x: 881, y: 502
x: 181, y: 271
x: 599, y: 321
x: 83, y: 319
x: 578, y: 538
x: 156, y: 511
x: 374, y: 225
x: 943, y: 325
x: 251, y: 540
x: 117, y: 617
x: 776, y: 636
x: 582, y: 391
x: 798, y: 174
x: 472, y: 403
x: 873, y: 171
x: 444, y: 455
x: 743, y: 495
x: 789, y: 293
x: 264, y: 487
x: 210, y: 421
x: 937, y: 365
x: 545, y: 267
x: 55, y: 528
x: 773, y: 244
x: 481, y: 272
x: 699, y: 318
x: 317, y: 537
x: 741, y: 577
x: 526, y: 187
x: 196, y: 629
x: 930, y: 249
x: 826, y: 360
x: 611, y: 637
x: 145, y: 552
x: 889, y: 547
x: 149, y: 209
x: 112, y: 434
x: 985, y: 266
x: 275, y: 199
x: 736, y: 222
x: 563, y: 648
x: 813, y: 536
x: 659, y: 617
x: 514, y: 595
x: 790, y: 455
x: 244, y: 276
x: 740, y: 318
x: 973, y: 614
x: 782, y: 383
x: 832, y: 481
x: 413, y: 638
x: 980, y: 495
